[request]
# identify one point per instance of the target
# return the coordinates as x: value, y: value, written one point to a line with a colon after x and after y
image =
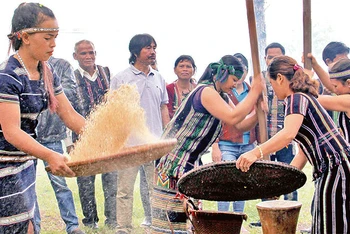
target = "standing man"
x: 275, y: 118
x: 50, y: 133
x: 93, y: 82
x: 153, y: 99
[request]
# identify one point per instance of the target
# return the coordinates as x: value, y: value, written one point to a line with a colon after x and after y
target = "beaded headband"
x: 31, y: 30
x: 339, y: 75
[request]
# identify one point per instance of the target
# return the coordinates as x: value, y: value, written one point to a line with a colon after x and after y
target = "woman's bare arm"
x: 72, y: 119
x: 11, y: 127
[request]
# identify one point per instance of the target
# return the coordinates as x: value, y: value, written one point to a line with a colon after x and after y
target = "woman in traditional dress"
x: 320, y: 143
x: 196, y: 125
x: 232, y: 142
x: 27, y: 87
x: 339, y: 77
x: 184, y: 69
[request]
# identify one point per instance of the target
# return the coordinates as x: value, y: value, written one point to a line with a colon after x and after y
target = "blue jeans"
x: 230, y: 153
x: 286, y: 155
x: 63, y: 195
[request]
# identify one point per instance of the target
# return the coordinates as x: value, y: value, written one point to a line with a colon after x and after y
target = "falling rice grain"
x: 111, y: 124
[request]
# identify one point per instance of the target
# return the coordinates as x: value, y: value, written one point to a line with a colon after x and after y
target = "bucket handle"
x: 188, y: 207
x: 184, y: 199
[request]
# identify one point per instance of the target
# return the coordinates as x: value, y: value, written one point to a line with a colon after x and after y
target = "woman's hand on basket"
x: 58, y: 165
x: 246, y: 160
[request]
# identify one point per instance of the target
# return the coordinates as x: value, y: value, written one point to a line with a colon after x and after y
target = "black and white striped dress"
x: 328, y: 152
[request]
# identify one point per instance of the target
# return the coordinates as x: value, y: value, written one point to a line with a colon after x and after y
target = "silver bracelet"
x: 261, y: 153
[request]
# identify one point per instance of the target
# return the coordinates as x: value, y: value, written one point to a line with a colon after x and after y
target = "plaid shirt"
x: 276, y: 111
x: 275, y: 115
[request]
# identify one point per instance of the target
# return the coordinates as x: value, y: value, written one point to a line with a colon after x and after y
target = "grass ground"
x: 53, y: 224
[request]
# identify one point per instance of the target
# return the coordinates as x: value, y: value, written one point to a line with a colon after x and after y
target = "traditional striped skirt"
x: 168, y: 214
x: 17, y: 196
x: 331, y: 211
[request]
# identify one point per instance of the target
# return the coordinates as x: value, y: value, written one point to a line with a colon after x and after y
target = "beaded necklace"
x: 22, y: 63
x: 183, y: 94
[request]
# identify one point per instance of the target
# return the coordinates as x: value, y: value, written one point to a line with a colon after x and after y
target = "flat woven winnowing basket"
x: 222, y: 181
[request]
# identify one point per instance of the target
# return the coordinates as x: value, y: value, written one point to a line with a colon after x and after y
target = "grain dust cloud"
x: 117, y: 122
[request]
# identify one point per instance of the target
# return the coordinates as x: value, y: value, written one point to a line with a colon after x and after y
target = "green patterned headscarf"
x: 223, y: 71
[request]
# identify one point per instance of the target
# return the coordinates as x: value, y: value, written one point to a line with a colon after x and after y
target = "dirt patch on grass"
x: 51, y: 223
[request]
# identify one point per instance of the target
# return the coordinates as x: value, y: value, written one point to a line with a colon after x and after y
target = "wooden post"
x: 253, y: 37
x: 307, y: 32
x: 256, y: 65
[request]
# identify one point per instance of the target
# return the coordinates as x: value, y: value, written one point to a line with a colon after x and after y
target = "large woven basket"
x: 222, y: 181
x: 213, y: 222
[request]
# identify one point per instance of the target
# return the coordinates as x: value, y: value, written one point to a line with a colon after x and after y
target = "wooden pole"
x: 256, y: 64
x: 253, y: 36
x: 307, y: 32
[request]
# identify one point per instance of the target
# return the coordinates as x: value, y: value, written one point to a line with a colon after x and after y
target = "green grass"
x: 53, y: 224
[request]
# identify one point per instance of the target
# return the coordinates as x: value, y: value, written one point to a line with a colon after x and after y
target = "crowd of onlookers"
x: 41, y: 97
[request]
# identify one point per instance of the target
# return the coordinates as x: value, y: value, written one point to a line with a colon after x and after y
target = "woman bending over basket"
x: 320, y: 143
x: 196, y: 125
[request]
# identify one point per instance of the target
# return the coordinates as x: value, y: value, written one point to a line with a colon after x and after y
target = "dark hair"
x: 242, y: 58
x: 209, y: 72
x: 138, y: 42
x: 275, y: 45
x: 299, y: 80
x: 341, y: 66
x: 28, y: 15
x: 185, y: 57
x: 333, y: 49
